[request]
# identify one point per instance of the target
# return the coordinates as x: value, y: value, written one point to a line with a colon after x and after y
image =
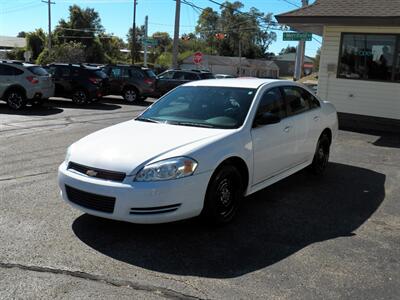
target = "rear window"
x: 38, y: 71
x: 150, y: 73
x: 100, y: 74
x: 207, y: 76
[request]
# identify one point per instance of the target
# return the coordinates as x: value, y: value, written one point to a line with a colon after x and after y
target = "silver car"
x: 22, y: 83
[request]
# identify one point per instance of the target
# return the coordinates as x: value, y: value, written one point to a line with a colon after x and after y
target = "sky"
x: 116, y: 16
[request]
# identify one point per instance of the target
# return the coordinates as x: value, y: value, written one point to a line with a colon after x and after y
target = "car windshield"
x: 38, y: 71
x: 100, y: 74
x: 202, y: 106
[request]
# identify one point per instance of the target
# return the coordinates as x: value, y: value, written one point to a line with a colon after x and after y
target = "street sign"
x: 297, y: 36
x: 197, y: 57
x: 27, y: 55
x: 150, y: 42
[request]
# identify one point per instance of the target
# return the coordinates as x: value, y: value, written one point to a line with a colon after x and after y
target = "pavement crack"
x: 167, y: 293
x: 25, y: 176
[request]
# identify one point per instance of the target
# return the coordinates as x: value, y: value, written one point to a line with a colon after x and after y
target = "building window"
x: 370, y: 57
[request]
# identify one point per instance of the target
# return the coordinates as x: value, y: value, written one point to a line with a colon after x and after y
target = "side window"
x: 8, y: 71
x: 311, y: 100
x: 272, y: 102
x: 115, y: 73
x: 136, y: 74
x: 75, y: 72
x: 52, y: 70
x: 18, y: 71
x: 295, y: 101
x: 166, y: 75
x: 179, y: 76
x: 63, y: 71
x: 191, y: 76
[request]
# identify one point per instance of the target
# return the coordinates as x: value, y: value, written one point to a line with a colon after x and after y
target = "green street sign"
x: 150, y: 42
x: 297, y: 36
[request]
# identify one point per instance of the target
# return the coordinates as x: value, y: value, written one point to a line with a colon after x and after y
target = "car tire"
x: 223, y: 196
x: 15, y: 99
x: 321, y: 156
x: 80, y: 97
x: 131, y: 95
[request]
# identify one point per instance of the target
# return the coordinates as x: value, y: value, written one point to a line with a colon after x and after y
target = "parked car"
x: 22, y: 83
x: 170, y: 79
x: 131, y: 82
x: 223, y: 76
x: 199, y: 150
x: 81, y: 83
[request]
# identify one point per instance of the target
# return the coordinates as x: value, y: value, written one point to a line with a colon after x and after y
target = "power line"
x: 291, y: 3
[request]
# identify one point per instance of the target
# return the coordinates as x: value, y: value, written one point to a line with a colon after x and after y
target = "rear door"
x: 7, y: 78
x: 272, y: 143
x: 115, y: 83
x: 62, y: 79
x: 165, y: 82
x: 297, y: 109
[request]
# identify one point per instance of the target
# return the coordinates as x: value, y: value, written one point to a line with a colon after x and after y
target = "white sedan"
x: 198, y: 151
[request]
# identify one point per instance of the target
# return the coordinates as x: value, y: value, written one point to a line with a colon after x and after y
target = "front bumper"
x: 188, y: 192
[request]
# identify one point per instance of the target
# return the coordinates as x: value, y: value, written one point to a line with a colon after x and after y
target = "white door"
x: 6, y: 78
x: 273, y: 143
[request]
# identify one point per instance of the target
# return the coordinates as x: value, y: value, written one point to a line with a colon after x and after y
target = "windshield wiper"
x: 150, y: 120
x: 193, y: 124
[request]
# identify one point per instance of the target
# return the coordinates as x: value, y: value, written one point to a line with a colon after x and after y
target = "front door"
x: 272, y: 144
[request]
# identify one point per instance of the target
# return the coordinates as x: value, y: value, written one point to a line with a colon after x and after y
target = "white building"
x: 360, y: 58
x: 234, y: 66
x: 7, y: 43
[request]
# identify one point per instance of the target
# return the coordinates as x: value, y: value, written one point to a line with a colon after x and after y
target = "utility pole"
x: 146, y: 26
x: 49, y: 3
x: 133, y: 50
x: 298, y: 70
x: 176, y: 35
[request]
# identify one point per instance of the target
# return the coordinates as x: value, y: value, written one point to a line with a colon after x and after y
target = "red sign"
x: 197, y: 57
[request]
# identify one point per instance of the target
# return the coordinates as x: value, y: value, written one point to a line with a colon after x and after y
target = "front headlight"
x: 172, y: 168
x: 68, y: 155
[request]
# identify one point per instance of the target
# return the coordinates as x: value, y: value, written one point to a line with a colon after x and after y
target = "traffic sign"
x: 198, y: 57
x: 150, y: 42
x: 297, y: 36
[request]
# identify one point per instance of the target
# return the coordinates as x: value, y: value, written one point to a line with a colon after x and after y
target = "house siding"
x: 370, y: 98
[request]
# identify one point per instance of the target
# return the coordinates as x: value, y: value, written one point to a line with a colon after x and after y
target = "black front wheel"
x: 321, y: 156
x: 80, y: 97
x: 224, y: 194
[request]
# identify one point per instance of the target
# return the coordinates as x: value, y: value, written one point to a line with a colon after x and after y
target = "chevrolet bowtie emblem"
x: 91, y: 173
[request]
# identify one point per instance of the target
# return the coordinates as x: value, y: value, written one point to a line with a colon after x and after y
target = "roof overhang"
x: 315, y: 24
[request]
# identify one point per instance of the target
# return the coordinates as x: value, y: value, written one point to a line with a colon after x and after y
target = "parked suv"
x: 22, y: 83
x: 170, y: 79
x: 131, y: 82
x: 81, y: 83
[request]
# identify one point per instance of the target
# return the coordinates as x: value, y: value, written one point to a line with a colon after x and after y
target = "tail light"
x: 95, y: 80
x: 149, y: 81
x: 32, y: 79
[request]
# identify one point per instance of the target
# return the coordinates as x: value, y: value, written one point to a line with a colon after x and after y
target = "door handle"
x: 316, y: 118
x: 287, y: 128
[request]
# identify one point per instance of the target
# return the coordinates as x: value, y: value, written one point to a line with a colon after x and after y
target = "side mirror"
x: 266, y: 119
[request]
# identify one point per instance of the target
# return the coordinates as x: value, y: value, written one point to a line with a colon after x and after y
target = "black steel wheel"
x: 224, y: 194
x: 80, y: 97
x: 130, y: 95
x: 321, y: 156
x: 15, y: 99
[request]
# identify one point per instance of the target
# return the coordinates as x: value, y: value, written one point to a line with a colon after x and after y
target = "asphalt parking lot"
x: 332, y: 237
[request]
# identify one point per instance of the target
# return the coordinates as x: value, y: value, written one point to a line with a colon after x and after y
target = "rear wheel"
x: 224, y: 194
x: 321, y: 156
x: 130, y: 95
x: 80, y: 97
x: 15, y: 99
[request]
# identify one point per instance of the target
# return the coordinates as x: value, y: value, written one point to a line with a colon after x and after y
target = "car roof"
x: 236, y: 82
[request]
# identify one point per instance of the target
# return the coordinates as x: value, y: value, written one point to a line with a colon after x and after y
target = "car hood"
x: 126, y: 146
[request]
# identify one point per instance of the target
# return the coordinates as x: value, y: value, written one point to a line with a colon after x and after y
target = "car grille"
x: 154, y: 210
x: 89, y: 200
x: 97, y: 173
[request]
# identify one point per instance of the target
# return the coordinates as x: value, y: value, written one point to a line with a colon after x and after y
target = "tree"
x: 138, y: 43
x: 287, y: 50
x: 35, y: 42
x: 67, y: 53
x: 21, y: 34
x: 317, y: 60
